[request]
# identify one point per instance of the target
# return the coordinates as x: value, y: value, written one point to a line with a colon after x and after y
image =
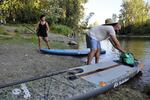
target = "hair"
x: 42, y: 16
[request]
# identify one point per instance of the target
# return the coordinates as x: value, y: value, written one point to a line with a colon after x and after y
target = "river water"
x: 139, y: 47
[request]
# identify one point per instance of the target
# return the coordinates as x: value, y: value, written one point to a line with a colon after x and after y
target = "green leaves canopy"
x: 134, y: 12
x: 67, y: 12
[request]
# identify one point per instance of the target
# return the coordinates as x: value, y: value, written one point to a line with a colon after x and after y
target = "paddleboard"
x: 89, y: 81
x: 74, y: 52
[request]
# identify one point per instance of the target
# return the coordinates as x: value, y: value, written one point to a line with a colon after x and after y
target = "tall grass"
x: 61, y: 29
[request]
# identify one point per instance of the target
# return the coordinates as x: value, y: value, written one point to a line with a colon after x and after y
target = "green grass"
x: 22, y: 39
x: 21, y: 36
x: 5, y: 31
x: 59, y: 45
x: 61, y: 29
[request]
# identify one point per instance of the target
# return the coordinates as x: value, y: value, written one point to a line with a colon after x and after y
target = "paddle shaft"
x: 29, y: 29
x: 98, y: 70
x: 32, y: 79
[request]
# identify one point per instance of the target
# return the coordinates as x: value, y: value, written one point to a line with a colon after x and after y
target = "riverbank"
x: 20, y: 59
x: 134, y: 36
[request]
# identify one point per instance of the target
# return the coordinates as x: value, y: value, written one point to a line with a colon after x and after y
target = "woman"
x: 42, y: 31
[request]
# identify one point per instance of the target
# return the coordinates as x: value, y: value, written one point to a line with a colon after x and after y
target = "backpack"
x: 127, y: 58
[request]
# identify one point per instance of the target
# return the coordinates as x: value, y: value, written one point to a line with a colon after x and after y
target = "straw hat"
x: 109, y: 21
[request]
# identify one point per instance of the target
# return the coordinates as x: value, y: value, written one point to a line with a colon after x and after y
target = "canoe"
x: 74, y: 52
x: 80, y: 83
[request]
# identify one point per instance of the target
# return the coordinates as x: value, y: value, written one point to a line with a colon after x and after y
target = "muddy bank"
x: 123, y: 92
x: 22, y: 61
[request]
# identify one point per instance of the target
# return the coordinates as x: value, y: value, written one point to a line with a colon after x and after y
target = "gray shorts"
x: 92, y: 43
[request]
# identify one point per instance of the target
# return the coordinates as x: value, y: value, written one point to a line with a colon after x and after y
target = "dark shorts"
x: 42, y: 34
x: 92, y: 43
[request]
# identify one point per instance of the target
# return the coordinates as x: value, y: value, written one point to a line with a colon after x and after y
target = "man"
x: 99, y: 33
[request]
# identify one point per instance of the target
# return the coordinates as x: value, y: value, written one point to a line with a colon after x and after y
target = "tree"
x: 9, y: 8
x: 73, y: 12
x: 134, y: 12
x: 96, y: 23
x: 114, y: 17
x: 65, y: 12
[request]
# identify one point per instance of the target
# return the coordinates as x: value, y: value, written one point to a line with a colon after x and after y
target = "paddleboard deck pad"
x: 74, y: 52
x: 91, y: 80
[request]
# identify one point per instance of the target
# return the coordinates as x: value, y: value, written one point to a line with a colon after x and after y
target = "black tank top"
x: 42, y: 28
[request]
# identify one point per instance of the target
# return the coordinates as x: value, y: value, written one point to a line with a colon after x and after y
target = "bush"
x: 61, y: 29
x: 143, y: 29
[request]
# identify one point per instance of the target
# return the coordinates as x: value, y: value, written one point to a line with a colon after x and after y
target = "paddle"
x: 30, y: 29
x: 77, y: 70
x: 73, y: 76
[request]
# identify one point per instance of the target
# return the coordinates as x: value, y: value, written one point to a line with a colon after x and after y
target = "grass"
x: 21, y: 37
x: 61, y: 29
x: 2, y: 31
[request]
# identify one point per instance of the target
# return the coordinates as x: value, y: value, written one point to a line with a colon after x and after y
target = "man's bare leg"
x: 97, y: 56
x: 90, y: 56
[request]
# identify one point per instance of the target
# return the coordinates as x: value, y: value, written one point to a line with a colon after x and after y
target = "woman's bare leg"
x: 39, y: 42
x: 46, y: 41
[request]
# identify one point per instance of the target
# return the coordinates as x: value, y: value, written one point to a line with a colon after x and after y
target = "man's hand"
x: 116, y: 43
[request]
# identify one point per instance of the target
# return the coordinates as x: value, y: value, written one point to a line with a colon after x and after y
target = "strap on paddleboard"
x: 73, y: 77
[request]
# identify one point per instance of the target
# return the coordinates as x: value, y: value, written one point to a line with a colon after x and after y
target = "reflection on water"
x: 140, y: 49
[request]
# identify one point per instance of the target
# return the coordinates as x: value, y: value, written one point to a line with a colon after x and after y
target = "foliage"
x: 114, y: 17
x: 143, y: 29
x: 134, y: 12
x: 66, y: 12
x: 61, y: 29
x: 134, y: 17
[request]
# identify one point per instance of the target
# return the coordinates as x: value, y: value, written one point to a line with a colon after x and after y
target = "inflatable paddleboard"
x: 68, y: 51
x: 78, y: 83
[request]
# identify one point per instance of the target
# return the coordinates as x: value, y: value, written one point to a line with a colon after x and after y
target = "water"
x: 139, y: 47
x: 141, y: 50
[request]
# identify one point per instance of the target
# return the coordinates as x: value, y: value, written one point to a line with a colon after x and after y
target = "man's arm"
x: 113, y: 39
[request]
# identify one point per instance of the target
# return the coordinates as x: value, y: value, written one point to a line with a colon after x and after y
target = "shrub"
x: 61, y: 29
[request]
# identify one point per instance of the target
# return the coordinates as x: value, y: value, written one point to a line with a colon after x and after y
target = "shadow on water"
x: 139, y: 47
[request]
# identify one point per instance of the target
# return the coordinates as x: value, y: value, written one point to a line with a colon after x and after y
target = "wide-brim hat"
x: 109, y: 21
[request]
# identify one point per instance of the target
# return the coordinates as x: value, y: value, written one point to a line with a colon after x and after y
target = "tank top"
x: 42, y: 28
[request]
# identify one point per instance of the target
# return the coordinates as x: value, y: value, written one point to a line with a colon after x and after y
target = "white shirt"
x: 101, y: 32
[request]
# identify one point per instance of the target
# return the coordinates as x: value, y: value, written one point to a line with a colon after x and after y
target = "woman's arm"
x: 47, y: 27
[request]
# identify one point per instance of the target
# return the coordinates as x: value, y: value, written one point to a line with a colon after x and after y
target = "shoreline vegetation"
x: 134, y: 36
